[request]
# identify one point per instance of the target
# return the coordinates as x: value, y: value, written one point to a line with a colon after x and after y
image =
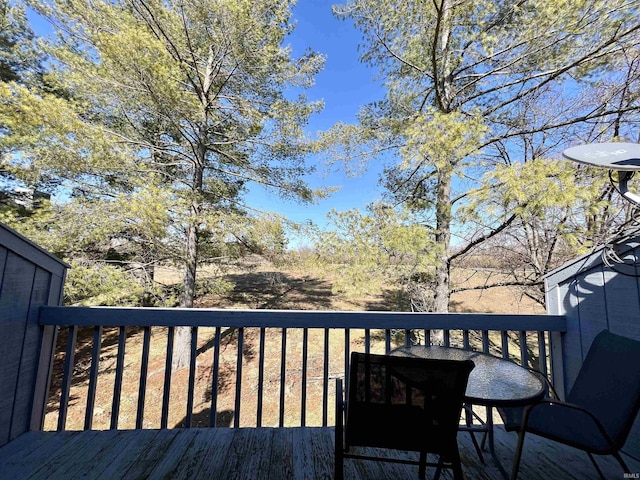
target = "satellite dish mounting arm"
x: 623, y: 178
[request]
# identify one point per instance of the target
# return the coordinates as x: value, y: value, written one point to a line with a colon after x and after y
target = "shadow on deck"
x: 264, y: 453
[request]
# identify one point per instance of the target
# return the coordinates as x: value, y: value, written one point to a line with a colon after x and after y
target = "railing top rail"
x: 204, y: 317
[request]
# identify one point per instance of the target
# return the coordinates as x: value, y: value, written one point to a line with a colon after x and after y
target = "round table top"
x: 493, y: 381
x: 614, y: 156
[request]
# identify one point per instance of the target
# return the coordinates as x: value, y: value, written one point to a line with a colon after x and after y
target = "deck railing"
x: 112, y: 366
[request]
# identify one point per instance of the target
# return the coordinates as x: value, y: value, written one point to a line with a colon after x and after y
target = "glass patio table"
x: 494, y: 382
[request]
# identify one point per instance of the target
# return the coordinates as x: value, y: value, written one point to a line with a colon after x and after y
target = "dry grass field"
x: 263, y: 287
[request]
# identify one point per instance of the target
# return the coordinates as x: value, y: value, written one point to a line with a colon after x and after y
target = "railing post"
x: 557, y: 363
x: 43, y: 378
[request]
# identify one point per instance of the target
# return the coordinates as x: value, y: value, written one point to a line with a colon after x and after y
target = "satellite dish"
x: 622, y: 157
x: 614, y: 156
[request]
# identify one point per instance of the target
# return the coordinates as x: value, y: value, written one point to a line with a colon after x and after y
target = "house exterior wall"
x: 595, y: 296
x: 29, y: 278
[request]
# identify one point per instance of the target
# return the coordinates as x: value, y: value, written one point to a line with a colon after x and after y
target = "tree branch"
x: 484, y: 238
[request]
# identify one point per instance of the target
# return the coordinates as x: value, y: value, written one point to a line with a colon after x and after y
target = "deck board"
x: 217, y: 451
x: 87, y: 455
x: 200, y: 451
x: 153, y: 453
x: 53, y: 460
x: 128, y: 449
x: 269, y: 453
x: 245, y: 456
x: 281, y: 466
x: 302, y: 454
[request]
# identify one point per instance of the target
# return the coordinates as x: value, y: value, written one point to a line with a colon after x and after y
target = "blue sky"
x: 344, y: 85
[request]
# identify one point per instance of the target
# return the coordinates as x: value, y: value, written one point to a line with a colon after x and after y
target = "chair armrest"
x: 552, y: 391
x: 570, y: 406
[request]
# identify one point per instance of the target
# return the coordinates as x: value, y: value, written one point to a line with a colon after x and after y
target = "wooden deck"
x: 263, y: 453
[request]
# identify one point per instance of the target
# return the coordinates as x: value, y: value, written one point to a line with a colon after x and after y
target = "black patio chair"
x: 600, y: 408
x: 400, y: 403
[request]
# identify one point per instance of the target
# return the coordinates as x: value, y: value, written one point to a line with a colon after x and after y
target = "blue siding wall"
x: 29, y: 279
x: 595, y: 297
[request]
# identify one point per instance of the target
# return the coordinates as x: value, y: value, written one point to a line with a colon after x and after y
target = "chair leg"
x: 521, y: 434
x: 516, y: 460
x: 486, y: 435
x: 436, y: 475
x: 468, y: 413
x: 422, y: 467
x: 618, y: 457
x: 338, y: 472
x: 338, y: 468
x: 457, y: 467
x: 595, y: 464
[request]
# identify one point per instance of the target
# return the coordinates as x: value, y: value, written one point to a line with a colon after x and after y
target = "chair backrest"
x: 405, y: 403
x: 608, y: 383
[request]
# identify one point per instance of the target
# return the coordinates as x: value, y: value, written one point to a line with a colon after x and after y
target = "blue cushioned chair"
x: 600, y: 408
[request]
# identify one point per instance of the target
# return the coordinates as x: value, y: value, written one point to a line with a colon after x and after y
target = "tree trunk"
x: 444, y: 94
x: 443, y: 239
x: 182, y: 341
x: 190, y: 266
x: 182, y: 345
